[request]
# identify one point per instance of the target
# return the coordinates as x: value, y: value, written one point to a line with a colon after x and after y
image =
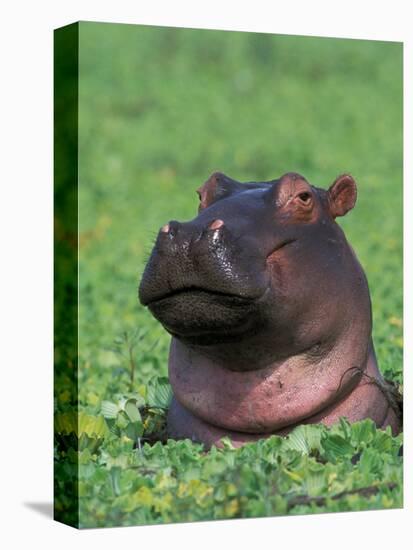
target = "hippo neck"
x: 268, y: 399
x: 364, y: 401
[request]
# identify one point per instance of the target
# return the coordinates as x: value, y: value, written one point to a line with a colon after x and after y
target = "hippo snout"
x: 208, y: 257
x: 172, y: 228
x: 202, y: 279
x: 191, y: 239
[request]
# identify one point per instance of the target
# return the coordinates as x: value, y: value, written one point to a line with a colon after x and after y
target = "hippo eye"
x: 201, y: 206
x: 305, y: 197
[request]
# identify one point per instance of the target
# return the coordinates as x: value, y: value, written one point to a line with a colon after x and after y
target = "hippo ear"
x: 216, y: 187
x: 342, y: 195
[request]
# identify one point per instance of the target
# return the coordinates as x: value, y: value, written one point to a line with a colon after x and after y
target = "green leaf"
x: 383, y: 441
x: 227, y: 444
x: 315, y: 479
x: 109, y: 410
x: 122, y: 420
x: 134, y: 430
x: 159, y: 393
x: 115, y: 478
x: 336, y: 447
x: 362, y: 433
x: 305, y: 439
x: 132, y: 410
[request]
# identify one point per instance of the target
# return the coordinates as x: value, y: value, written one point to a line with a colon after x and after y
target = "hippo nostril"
x: 216, y: 224
x: 171, y: 228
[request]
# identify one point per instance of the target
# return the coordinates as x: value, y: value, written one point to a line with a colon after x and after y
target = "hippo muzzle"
x: 204, y: 281
x: 269, y: 312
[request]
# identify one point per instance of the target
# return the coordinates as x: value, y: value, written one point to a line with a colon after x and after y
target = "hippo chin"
x: 269, y: 312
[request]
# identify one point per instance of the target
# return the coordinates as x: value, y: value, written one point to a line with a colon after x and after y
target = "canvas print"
x: 228, y: 275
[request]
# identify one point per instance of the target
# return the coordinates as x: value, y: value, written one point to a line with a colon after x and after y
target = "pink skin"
x: 212, y: 402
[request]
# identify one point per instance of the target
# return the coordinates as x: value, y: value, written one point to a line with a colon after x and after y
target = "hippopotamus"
x: 269, y: 312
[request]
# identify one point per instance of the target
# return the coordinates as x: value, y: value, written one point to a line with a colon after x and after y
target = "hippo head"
x: 269, y: 312
x: 262, y: 265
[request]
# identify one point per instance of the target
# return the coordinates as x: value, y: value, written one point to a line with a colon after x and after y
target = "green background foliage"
x: 159, y: 110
